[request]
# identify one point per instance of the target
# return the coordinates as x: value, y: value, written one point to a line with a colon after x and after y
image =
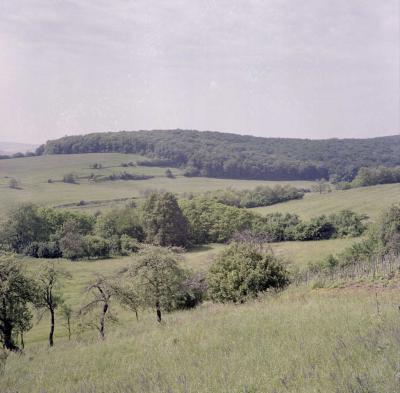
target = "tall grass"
x: 300, y: 341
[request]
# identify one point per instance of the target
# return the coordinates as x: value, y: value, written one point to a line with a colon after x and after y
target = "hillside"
x: 215, y: 154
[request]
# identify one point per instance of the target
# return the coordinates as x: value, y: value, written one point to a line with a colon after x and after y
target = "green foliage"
x: 235, y: 156
x: 23, y: 226
x: 128, y: 245
x: 260, y: 196
x: 16, y: 293
x: 243, y: 271
x: 48, y: 295
x: 163, y: 221
x: 380, y: 175
x: 96, y: 247
x: 69, y: 178
x: 158, y: 279
x: 210, y: 221
x: 125, y: 221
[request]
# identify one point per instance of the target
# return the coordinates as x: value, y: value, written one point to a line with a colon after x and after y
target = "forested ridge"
x: 216, y: 154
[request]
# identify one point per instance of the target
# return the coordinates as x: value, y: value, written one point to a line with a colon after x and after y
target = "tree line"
x: 215, y: 154
x: 160, y: 220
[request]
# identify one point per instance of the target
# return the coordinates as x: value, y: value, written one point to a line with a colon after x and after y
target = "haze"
x: 314, y: 69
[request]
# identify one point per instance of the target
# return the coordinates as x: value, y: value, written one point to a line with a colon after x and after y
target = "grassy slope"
x: 33, y: 173
x: 301, y: 341
x: 298, y: 254
x: 367, y: 200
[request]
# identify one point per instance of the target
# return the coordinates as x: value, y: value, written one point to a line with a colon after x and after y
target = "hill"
x: 215, y: 154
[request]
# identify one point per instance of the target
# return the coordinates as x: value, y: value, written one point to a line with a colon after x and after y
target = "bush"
x: 69, y: 178
x: 43, y: 250
x: 128, y: 245
x: 96, y: 247
x: 72, y: 246
x: 242, y: 271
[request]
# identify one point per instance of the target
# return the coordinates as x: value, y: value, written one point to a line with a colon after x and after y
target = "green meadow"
x: 302, y: 340
x: 33, y: 174
x: 366, y: 200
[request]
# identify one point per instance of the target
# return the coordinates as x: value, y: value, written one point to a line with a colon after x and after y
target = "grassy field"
x: 366, y: 200
x: 297, y: 254
x: 300, y: 341
x: 33, y: 174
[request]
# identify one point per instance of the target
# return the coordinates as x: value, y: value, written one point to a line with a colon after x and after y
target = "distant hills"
x: 217, y: 154
x: 13, y: 147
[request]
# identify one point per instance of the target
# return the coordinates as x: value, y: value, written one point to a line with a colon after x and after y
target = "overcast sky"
x: 290, y: 68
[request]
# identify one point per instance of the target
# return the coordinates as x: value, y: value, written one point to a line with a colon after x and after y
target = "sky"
x: 272, y: 68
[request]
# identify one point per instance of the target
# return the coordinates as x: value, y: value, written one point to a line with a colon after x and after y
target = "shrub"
x: 243, y: 271
x: 96, y: 247
x: 128, y: 245
x: 69, y: 178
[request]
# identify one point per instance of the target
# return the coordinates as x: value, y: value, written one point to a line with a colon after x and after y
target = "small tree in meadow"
x: 101, y: 291
x: 13, y: 183
x: 67, y: 313
x: 16, y: 293
x: 243, y: 271
x: 48, y: 294
x: 158, y: 279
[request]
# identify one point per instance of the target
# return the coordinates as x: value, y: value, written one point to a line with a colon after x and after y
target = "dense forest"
x: 216, y: 154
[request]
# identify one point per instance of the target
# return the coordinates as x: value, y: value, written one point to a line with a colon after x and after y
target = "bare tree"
x: 101, y: 290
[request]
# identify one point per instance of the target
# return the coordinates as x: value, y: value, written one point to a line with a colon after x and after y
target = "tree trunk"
x: 7, y: 336
x: 52, y: 324
x: 158, y: 309
x: 69, y: 329
x: 22, y: 340
x: 102, y: 319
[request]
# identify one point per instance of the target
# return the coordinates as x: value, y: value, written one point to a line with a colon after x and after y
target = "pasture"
x: 300, y: 341
x: 365, y: 200
x: 33, y: 174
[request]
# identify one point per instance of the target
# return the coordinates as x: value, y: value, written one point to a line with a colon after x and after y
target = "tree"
x: 48, y: 293
x: 169, y: 174
x: 163, y: 221
x: 23, y: 226
x: 321, y: 186
x: 16, y: 293
x: 13, y: 183
x: 128, y: 297
x: 101, y: 290
x: 69, y: 178
x: 243, y: 271
x: 158, y: 279
x: 72, y: 243
x: 66, y: 313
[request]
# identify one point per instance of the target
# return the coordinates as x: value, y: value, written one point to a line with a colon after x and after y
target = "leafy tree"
x: 96, y: 247
x: 13, y: 183
x: 169, y: 174
x: 101, y: 291
x: 48, y: 293
x: 69, y: 178
x: 118, y: 222
x: 158, y: 279
x: 72, y: 244
x: 163, y: 221
x: 16, y: 293
x: 243, y: 271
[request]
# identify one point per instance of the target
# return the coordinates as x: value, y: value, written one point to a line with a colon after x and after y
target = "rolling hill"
x: 215, y: 154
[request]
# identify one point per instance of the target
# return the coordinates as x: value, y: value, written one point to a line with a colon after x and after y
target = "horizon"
x: 268, y: 69
x: 167, y: 130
